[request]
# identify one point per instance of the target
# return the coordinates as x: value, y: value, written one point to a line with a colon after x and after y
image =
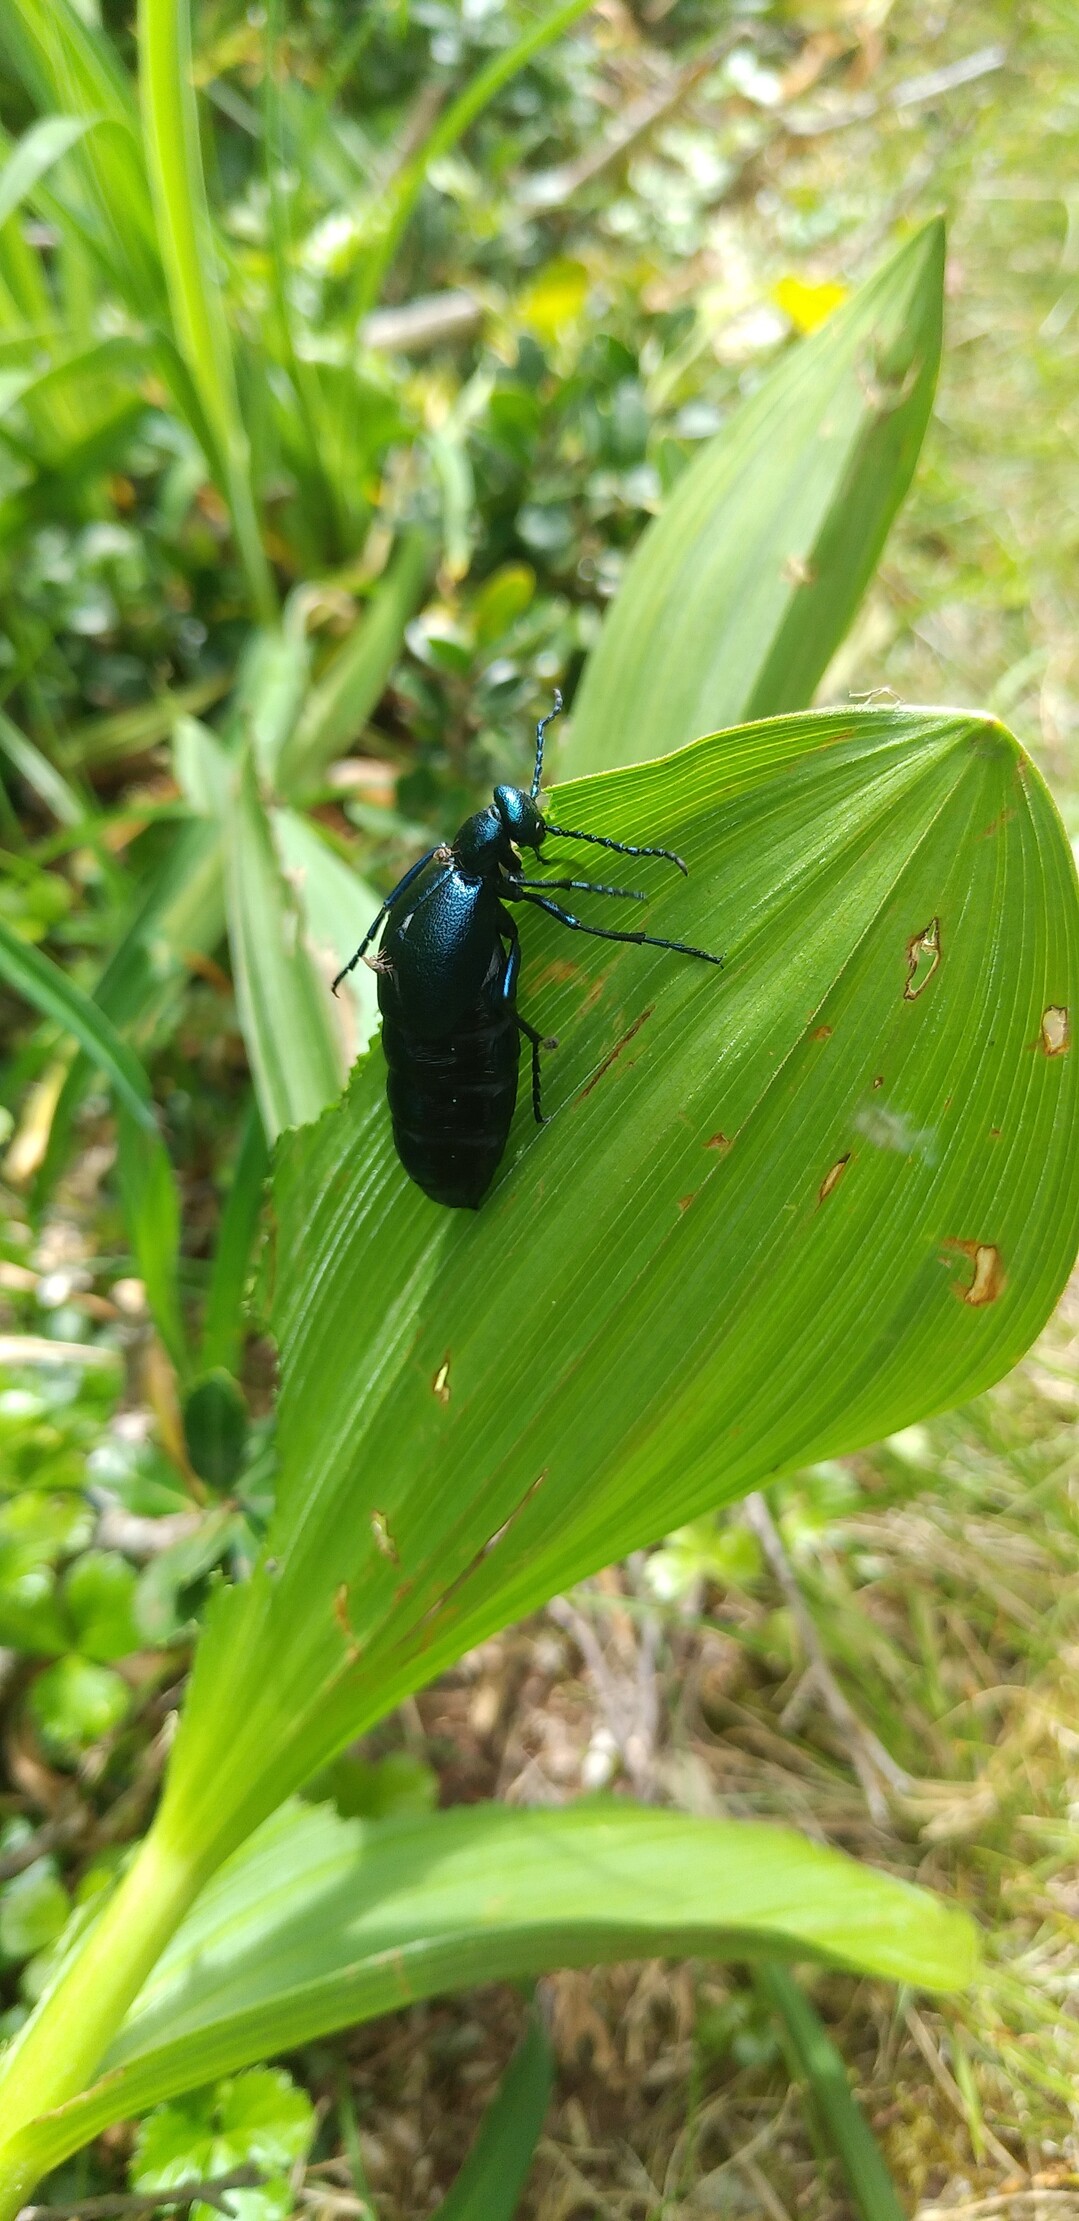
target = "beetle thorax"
x: 480, y: 845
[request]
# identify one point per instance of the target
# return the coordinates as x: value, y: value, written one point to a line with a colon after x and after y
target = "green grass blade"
x: 338, y: 707
x: 41, y: 982
x: 739, y: 594
x: 284, y: 1002
x: 180, y: 915
x: 67, y: 64
x: 40, y: 775
x: 500, y: 2161
x: 152, y: 1211
x: 147, y: 1185
x: 34, y: 155
x: 223, y: 1326
x: 319, y: 1923
x: 816, y: 2061
x: 450, y: 128
x: 174, y: 160
x: 778, y: 1212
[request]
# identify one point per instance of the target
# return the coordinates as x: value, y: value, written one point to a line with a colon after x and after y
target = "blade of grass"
x: 814, y: 2060
x: 222, y: 1329
x: 40, y: 775
x: 185, y: 235
x: 338, y: 707
x: 462, y: 112
x: 498, y: 2164
x: 147, y: 1185
x: 152, y: 1211
x: 33, y: 156
x: 41, y: 982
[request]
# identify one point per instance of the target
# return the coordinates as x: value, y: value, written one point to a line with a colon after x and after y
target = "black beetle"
x: 447, y: 986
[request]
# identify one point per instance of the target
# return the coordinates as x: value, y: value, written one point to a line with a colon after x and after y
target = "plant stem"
x: 61, y: 2045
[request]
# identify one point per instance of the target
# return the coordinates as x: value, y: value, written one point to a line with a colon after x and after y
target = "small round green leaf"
x: 215, y: 1428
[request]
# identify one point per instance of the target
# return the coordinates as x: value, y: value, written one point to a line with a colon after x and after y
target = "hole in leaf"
x: 987, y: 1280
x: 832, y: 1179
x: 1056, y: 1031
x: 923, y: 956
x: 383, y: 1538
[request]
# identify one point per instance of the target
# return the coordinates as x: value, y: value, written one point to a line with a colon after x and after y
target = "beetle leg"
x: 605, y: 932
x: 384, y: 912
x: 538, y: 1042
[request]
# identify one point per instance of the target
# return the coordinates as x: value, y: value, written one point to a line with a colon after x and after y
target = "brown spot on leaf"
x: 923, y: 957
x: 995, y: 1133
x: 718, y: 1141
x: 340, y: 1613
x: 616, y: 1052
x: 879, y: 1081
x: 383, y: 1539
x: 798, y: 572
x: 832, y: 1179
x: 441, y: 1382
x: 987, y: 1279
x: 996, y: 824
x: 684, y: 1201
x: 822, y: 1033
x: 1056, y: 1031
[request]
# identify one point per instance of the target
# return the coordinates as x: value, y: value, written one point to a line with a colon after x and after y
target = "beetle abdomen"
x: 452, y: 1101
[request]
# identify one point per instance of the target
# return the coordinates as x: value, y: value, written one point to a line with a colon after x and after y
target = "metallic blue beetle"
x: 448, y: 965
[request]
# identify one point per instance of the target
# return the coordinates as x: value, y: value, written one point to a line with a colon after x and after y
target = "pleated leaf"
x: 740, y: 593
x: 779, y: 1211
x: 319, y: 1923
x: 284, y: 1001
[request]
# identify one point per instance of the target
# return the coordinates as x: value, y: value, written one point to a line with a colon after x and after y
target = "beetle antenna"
x: 540, y: 730
x: 625, y: 848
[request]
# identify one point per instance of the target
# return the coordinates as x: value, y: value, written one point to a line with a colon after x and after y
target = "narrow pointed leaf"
x: 739, y: 594
x: 778, y: 1211
x: 151, y: 1202
x: 319, y: 1923
x: 500, y: 2161
x: 41, y: 982
x: 816, y: 2060
x: 223, y: 1324
x: 284, y: 1002
x: 189, y: 258
x: 34, y: 155
x: 338, y: 707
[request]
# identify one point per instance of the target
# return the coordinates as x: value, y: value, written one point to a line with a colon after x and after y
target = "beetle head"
x: 520, y: 816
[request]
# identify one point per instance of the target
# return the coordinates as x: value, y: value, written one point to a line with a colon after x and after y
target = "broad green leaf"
x: 779, y: 1211
x: 319, y: 1923
x: 337, y: 907
x: 99, y: 1598
x: 739, y: 594
x: 498, y: 2165
x: 285, y: 1005
x: 815, y: 2059
x: 338, y: 707
x: 189, y: 258
x: 255, y: 2120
